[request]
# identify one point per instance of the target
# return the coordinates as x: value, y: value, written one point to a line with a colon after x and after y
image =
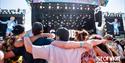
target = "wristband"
x: 81, y: 44
x: 26, y: 35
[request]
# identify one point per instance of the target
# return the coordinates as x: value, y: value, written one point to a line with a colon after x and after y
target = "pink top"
x: 57, y: 55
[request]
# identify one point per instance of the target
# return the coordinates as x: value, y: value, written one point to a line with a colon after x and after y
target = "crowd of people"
x: 38, y: 47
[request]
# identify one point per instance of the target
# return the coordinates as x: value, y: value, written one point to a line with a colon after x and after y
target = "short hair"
x: 63, y: 34
x: 18, y: 29
x: 37, y: 28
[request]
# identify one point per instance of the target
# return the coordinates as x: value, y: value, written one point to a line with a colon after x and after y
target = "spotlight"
x: 57, y: 7
x: 49, y: 7
x: 81, y: 8
x: 85, y: 8
x: 66, y: 7
x: 43, y: 7
x: 61, y: 22
x: 73, y: 7
x: 40, y: 7
x: 88, y: 8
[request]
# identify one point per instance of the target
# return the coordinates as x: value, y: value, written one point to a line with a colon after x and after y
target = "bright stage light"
x: 49, y: 7
x: 81, y: 8
x: 40, y: 7
x: 66, y: 7
x: 57, y: 7
x: 73, y: 7
x: 43, y: 7
x: 88, y: 8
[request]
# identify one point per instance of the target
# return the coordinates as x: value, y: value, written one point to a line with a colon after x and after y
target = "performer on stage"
x: 10, y: 24
x: 116, y: 26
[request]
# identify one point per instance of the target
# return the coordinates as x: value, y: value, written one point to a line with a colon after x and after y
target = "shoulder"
x: 49, y: 39
x: 44, y: 39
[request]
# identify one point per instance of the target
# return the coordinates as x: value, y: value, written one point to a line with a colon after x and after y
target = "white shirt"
x: 10, y: 24
x: 115, y: 25
x: 57, y: 55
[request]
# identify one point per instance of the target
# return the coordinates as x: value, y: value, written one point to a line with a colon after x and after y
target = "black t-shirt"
x: 20, y: 51
x: 28, y: 58
x: 42, y: 41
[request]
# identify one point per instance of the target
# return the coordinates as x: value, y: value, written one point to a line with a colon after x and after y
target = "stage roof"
x: 92, y: 2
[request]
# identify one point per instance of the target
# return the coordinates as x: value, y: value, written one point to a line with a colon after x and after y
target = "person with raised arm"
x: 10, y: 24
x: 116, y: 26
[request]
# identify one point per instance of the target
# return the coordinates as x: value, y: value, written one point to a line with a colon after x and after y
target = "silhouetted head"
x: 37, y: 28
x: 62, y: 34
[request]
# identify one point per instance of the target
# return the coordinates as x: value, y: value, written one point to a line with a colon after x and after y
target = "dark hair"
x: 81, y: 35
x: 63, y: 34
x: 104, y: 48
x: 18, y: 29
x: 117, y: 41
x: 37, y: 28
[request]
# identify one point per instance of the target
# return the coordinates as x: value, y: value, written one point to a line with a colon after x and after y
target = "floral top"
x: 88, y: 56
